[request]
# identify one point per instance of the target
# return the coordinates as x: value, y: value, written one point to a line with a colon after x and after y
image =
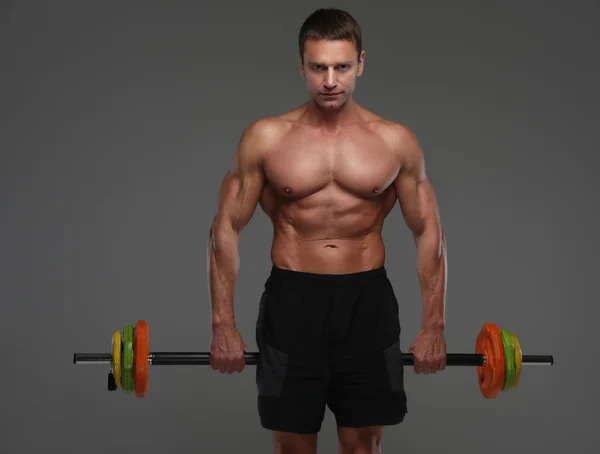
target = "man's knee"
x: 364, y: 440
x: 290, y: 443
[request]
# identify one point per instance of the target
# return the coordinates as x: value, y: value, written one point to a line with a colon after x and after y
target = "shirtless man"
x: 327, y: 174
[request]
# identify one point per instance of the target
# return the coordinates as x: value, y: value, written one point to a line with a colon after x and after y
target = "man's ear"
x: 361, y: 63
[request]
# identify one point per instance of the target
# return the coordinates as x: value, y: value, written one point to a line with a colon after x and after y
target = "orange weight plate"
x: 140, y: 351
x: 492, y: 375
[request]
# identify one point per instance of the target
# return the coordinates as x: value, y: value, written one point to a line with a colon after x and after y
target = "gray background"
x: 119, y: 120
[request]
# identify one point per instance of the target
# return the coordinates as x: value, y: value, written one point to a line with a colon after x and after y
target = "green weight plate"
x: 127, y: 382
x: 509, y: 359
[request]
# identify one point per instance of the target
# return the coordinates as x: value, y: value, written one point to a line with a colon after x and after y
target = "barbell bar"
x: 498, y: 358
x: 251, y: 359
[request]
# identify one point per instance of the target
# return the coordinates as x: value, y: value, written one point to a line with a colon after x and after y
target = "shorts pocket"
x: 270, y: 371
x: 395, y: 366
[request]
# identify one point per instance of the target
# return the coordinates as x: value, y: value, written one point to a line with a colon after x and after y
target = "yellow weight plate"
x: 116, y: 356
x: 518, y: 360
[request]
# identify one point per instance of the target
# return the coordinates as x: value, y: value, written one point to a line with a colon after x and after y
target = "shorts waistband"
x: 327, y: 277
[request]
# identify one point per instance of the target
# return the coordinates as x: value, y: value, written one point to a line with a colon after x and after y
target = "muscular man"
x: 327, y: 174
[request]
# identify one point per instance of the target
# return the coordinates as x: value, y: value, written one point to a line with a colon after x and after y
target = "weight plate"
x: 141, y: 358
x: 518, y: 360
x: 490, y: 375
x: 128, y: 362
x: 509, y: 359
x: 116, y: 356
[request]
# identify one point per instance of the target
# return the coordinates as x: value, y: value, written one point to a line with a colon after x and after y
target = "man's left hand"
x: 429, y: 350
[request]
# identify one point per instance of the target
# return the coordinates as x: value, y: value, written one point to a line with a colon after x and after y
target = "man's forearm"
x: 223, y: 265
x: 432, y: 271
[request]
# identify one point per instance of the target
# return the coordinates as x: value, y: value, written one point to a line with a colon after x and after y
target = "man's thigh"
x: 291, y: 373
x: 367, y: 389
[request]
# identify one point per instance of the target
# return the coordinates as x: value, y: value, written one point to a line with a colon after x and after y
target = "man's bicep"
x: 408, y: 193
x: 415, y: 191
x: 419, y: 206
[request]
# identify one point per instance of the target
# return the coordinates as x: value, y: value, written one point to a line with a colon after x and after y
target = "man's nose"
x: 330, y: 81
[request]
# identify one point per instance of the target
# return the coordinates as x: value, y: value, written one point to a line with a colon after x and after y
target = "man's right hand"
x: 227, y: 349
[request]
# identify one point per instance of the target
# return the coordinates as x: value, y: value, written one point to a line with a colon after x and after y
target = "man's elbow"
x: 442, y: 241
x: 432, y: 238
x: 222, y: 235
x: 210, y: 240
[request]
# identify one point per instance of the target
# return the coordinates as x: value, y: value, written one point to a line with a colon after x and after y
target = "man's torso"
x: 328, y: 194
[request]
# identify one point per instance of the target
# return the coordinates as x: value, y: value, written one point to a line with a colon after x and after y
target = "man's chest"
x: 306, y: 163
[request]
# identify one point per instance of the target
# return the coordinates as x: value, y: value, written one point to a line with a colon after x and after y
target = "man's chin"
x: 331, y: 105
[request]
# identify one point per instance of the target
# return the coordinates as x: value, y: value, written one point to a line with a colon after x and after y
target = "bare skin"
x: 327, y: 174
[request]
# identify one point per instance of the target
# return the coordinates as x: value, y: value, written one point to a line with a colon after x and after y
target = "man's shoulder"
x: 398, y: 139
x: 386, y: 128
x: 398, y: 136
x: 265, y: 128
x: 264, y: 134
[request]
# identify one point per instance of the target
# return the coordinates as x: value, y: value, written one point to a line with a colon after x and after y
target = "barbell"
x: 498, y: 358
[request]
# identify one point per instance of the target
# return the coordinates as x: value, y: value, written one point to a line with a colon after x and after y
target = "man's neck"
x: 332, y: 120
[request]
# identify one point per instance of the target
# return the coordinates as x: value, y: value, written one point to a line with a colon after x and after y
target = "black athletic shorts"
x: 329, y: 340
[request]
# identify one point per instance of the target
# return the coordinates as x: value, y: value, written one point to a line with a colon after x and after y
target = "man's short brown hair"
x: 330, y: 24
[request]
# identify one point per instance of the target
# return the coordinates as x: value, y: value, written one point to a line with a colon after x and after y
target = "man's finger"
x: 241, y: 363
x: 418, y: 366
x: 237, y: 363
x: 441, y: 361
x: 234, y: 359
x: 426, y: 368
x: 433, y: 367
x: 222, y: 365
x: 239, y: 358
x: 231, y: 364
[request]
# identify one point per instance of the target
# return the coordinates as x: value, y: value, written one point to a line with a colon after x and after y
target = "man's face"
x: 330, y: 69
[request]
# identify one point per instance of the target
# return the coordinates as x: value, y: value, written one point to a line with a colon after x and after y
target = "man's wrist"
x: 434, y: 324
x: 220, y: 321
